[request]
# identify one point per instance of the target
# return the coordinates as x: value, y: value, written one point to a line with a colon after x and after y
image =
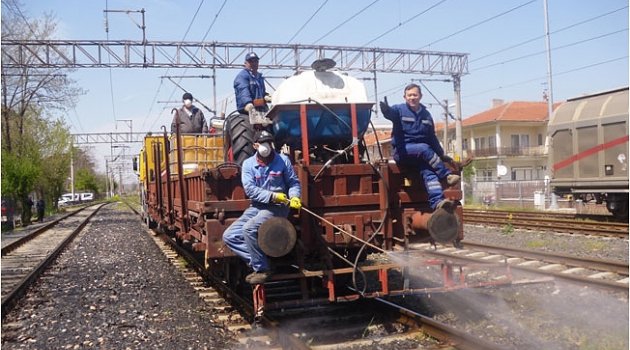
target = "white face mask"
x: 264, y: 149
x: 188, y: 103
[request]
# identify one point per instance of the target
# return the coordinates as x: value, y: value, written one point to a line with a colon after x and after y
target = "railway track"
x: 334, y: 326
x: 545, y: 222
x: 602, y: 273
x: 26, y: 258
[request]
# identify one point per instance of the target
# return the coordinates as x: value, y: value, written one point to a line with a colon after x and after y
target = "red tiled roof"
x: 512, y: 111
x: 382, y: 135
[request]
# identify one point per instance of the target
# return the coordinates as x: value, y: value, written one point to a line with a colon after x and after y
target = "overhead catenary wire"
x: 543, y: 77
x: 399, y: 25
x: 554, y: 49
x: 192, y: 20
x: 345, y: 21
x: 479, y: 23
x: 109, y: 61
x: 216, y: 16
x: 307, y: 21
x: 542, y: 36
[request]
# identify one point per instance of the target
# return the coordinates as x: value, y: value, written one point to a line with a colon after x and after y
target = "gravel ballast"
x: 113, y: 289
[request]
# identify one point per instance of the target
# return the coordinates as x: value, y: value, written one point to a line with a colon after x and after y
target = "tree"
x: 26, y: 88
x: 31, y: 144
x: 56, y: 153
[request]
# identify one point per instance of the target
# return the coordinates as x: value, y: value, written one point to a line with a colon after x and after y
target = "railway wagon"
x: 589, y: 149
x: 352, y: 206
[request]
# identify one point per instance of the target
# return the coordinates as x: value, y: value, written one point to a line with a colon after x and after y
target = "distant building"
x: 509, y: 147
x: 383, y: 137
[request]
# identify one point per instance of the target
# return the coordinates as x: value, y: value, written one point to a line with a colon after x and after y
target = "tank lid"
x: 323, y: 64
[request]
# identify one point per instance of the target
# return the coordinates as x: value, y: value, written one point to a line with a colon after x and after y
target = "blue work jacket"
x: 261, y: 181
x: 412, y: 127
x: 248, y: 87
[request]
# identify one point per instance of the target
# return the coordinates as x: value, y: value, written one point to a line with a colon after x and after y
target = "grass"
x: 536, y: 244
x: 595, y: 245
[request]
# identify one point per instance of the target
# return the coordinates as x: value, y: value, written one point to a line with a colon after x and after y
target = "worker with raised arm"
x: 415, y: 144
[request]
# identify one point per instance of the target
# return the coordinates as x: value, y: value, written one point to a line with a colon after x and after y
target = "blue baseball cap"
x: 251, y: 56
x: 263, y: 136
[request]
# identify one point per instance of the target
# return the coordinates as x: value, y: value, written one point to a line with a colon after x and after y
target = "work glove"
x: 446, y: 159
x: 267, y: 98
x: 385, y: 109
x: 248, y: 107
x: 295, y: 203
x: 279, y: 197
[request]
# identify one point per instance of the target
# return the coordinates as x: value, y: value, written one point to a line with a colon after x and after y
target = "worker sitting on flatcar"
x: 270, y: 182
x: 415, y: 144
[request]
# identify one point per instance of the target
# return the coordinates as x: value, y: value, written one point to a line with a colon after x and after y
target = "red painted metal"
x: 574, y: 158
x: 355, y: 131
x: 304, y: 129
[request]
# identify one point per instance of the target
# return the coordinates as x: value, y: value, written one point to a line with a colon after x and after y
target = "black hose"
x: 356, y: 261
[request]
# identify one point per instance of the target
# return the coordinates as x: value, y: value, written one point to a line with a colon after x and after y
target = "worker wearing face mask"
x: 191, y: 119
x: 273, y: 187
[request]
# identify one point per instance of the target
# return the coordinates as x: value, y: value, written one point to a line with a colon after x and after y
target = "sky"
x: 505, y: 41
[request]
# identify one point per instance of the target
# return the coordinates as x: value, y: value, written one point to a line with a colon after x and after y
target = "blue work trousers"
x: 431, y: 167
x: 242, y: 236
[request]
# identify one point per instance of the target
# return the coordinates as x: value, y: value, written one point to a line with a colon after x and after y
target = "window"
x: 520, y: 141
x: 480, y: 142
x: 486, y: 175
x: 492, y: 142
x: 465, y: 144
x: 540, y: 140
x: 524, y: 141
x: 522, y: 174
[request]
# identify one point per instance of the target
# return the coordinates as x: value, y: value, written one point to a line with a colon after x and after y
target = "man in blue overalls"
x: 249, y: 87
x: 267, y: 178
x: 415, y: 144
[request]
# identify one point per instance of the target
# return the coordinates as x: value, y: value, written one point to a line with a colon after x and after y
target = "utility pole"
x: 458, y: 129
x: 71, y: 171
x: 458, y: 117
x: 446, y: 113
x: 554, y: 203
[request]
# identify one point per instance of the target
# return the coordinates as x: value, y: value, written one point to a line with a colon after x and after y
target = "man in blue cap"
x: 249, y: 87
x: 270, y: 182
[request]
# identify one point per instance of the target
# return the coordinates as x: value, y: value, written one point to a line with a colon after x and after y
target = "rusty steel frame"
x: 372, y: 201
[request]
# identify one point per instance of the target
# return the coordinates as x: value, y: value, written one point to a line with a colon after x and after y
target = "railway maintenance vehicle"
x: 352, y: 205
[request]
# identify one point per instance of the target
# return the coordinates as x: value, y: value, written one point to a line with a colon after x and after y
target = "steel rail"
x: 459, y: 255
x: 617, y: 267
x: 437, y: 330
x: 31, y: 235
x: 288, y: 341
x: 10, y: 299
x: 608, y: 229
x: 444, y: 332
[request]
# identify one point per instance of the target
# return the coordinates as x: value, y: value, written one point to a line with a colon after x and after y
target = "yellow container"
x: 148, y: 157
x: 199, y: 151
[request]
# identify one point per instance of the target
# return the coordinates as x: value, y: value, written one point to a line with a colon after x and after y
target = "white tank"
x: 321, y: 86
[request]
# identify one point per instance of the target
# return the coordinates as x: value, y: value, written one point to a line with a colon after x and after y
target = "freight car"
x: 352, y: 206
x: 589, y: 149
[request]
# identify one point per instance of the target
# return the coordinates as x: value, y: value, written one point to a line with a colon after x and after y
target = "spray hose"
x: 344, y: 231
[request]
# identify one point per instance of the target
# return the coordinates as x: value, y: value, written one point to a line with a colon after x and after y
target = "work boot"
x: 445, y: 204
x: 257, y: 277
x: 452, y: 179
